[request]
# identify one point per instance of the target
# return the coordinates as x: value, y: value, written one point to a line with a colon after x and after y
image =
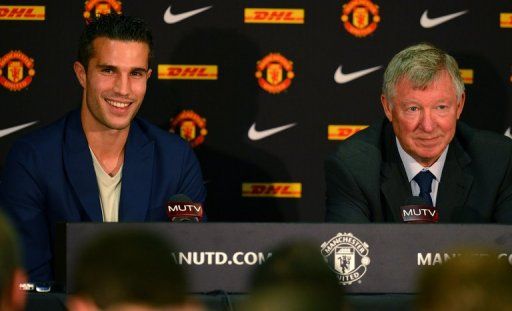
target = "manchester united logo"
x: 347, y: 256
x: 95, y: 8
x: 16, y: 70
x: 360, y: 17
x: 274, y: 73
x: 190, y: 126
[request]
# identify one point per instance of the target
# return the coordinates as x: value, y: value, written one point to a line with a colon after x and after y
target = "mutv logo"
x: 187, y: 72
x: 272, y: 190
x: 273, y: 16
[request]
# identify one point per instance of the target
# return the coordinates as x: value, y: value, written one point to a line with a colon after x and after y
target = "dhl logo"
x: 467, y: 75
x: 22, y: 12
x: 272, y: 190
x: 342, y: 132
x: 187, y: 72
x: 273, y: 16
x: 506, y: 20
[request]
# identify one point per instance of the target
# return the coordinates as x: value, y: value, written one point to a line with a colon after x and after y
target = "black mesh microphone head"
x: 180, y: 198
x: 415, y: 201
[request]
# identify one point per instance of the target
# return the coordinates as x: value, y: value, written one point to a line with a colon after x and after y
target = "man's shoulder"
x: 482, y: 141
x: 162, y: 138
x: 46, y: 135
x: 363, y: 143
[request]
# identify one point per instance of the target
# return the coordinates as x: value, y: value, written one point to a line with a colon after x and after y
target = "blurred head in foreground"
x: 468, y: 282
x: 297, y: 278
x: 129, y: 270
x: 11, y: 274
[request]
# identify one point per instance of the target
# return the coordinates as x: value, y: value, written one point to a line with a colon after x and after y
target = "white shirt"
x: 110, y: 191
x: 412, y: 168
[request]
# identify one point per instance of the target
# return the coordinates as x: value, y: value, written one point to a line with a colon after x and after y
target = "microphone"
x: 180, y: 208
x: 417, y: 210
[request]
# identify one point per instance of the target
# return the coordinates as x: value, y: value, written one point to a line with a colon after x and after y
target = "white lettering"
x: 424, y: 261
x: 251, y: 258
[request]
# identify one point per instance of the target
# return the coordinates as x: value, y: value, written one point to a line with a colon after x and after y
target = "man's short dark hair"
x: 113, y: 26
x: 129, y: 267
x: 9, y: 256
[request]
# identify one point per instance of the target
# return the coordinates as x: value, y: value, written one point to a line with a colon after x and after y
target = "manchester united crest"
x: 360, y: 17
x: 16, y: 70
x: 347, y: 256
x: 274, y: 73
x: 95, y: 8
x: 190, y: 126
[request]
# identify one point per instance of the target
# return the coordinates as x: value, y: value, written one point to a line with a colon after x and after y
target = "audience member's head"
x: 129, y: 270
x: 11, y: 273
x: 468, y: 282
x: 296, y: 277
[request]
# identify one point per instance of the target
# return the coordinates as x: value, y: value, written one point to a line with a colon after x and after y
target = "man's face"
x: 424, y: 121
x: 114, y: 83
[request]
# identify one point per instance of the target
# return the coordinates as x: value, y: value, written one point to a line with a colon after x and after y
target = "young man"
x: 99, y: 163
x: 421, y: 150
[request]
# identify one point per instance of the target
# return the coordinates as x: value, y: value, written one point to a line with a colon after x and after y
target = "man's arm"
x: 191, y: 181
x: 345, y: 200
x: 23, y: 200
x: 503, y: 206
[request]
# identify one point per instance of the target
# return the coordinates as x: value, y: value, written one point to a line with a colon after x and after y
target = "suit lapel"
x: 455, y: 183
x: 79, y: 168
x: 394, y: 185
x: 137, y: 176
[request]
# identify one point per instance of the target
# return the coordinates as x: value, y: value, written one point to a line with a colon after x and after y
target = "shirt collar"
x: 412, y: 168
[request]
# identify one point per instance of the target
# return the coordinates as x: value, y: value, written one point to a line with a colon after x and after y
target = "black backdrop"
x: 286, y: 168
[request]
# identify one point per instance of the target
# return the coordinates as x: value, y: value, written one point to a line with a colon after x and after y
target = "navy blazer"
x: 366, y: 180
x: 49, y: 178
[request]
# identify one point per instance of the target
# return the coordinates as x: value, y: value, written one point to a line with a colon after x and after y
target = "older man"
x: 421, y: 150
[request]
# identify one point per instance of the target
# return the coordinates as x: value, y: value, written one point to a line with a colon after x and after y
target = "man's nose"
x: 427, y: 122
x: 122, y: 85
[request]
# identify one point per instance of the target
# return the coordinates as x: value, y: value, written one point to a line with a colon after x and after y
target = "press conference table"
x: 387, y: 257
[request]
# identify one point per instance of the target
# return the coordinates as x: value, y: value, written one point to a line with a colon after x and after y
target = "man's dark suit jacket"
x: 366, y: 180
x: 49, y: 178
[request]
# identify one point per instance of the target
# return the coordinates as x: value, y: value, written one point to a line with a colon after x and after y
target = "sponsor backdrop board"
x: 371, y: 258
x: 263, y: 90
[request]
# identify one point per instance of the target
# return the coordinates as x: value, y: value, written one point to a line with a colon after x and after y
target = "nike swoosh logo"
x: 507, y: 133
x: 257, y: 135
x: 427, y: 22
x: 170, y: 18
x: 16, y: 128
x: 341, y: 77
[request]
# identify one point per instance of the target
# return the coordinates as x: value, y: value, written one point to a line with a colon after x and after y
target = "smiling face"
x: 424, y: 120
x: 114, y: 83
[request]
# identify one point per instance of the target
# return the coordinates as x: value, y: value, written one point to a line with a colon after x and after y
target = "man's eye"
x: 413, y: 108
x: 442, y: 107
x: 107, y: 70
x: 137, y: 74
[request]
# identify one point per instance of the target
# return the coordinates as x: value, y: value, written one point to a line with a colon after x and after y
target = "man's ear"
x: 80, y: 72
x: 149, y: 73
x: 386, y: 105
x: 460, y: 104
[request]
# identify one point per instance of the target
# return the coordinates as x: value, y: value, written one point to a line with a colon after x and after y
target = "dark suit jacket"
x: 366, y: 180
x: 49, y: 178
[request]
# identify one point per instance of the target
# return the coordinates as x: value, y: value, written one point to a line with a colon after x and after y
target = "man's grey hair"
x: 421, y: 64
